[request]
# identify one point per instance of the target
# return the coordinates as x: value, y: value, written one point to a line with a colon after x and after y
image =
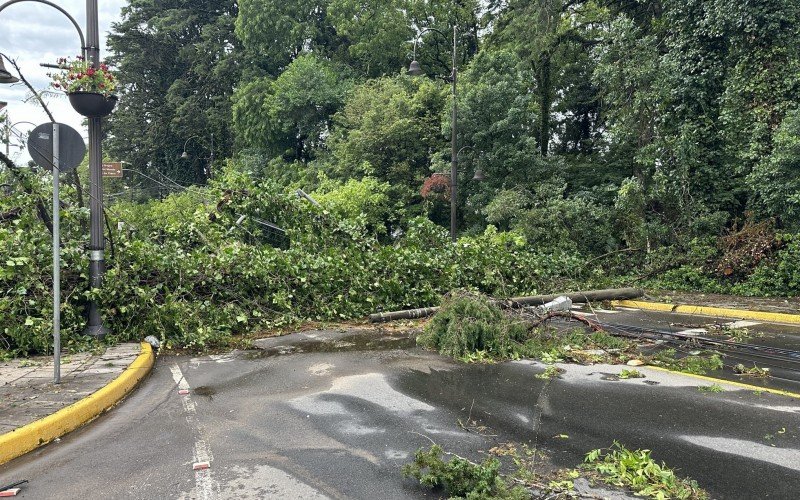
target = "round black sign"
x: 71, y: 148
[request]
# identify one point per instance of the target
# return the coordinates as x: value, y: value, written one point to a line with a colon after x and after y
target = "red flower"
x: 90, y: 71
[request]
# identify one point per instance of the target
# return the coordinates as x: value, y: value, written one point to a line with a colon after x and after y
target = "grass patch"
x: 711, y: 388
x: 626, y: 374
x: 635, y: 469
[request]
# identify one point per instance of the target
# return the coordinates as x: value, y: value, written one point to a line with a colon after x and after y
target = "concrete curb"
x: 771, y: 317
x: 741, y: 385
x: 29, y: 437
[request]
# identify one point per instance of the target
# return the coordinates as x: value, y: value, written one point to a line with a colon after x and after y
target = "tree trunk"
x: 545, y: 102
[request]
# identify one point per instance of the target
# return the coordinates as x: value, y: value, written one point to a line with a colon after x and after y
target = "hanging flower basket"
x: 92, y: 104
x: 90, y: 89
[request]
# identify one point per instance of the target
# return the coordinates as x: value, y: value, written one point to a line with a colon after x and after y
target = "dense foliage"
x: 654, y: 140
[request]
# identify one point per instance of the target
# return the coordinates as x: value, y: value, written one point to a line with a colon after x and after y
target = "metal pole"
x: 453, y: 149
x: 56, y: 261
x: 95, y: 326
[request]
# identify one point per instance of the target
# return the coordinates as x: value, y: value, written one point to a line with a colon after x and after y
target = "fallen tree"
x: 519, y: 302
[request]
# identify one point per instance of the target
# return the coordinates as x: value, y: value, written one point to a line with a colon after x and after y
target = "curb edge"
x: 35, y: 434
x: 772, y: 317
x: 734, y: 383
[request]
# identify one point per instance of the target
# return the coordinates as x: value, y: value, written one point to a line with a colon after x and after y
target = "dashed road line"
x: 206, y: 486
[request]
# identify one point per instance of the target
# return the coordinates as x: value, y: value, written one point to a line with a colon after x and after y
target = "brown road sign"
x: 112, y: 169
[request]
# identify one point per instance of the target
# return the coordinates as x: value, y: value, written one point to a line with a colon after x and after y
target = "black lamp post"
x: 90, y: 47
x: 414, y: 69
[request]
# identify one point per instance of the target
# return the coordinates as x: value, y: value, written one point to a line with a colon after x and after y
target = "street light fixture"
x: 90, y: 47
x: 478, y: 177
x: 414, y: 69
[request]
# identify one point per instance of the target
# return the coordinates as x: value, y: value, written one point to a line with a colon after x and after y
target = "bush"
x: 779, y: 276
x: 461, y: 478
x: 467, y: 323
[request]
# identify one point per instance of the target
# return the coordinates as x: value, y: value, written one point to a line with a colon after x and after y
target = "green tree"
x: 552, y: 37
x: 387, y: 129
x: 176, y: 62
x: 291, y: 115
x: 377, y: 33
x: 776, y: 178
x: 275, y: 32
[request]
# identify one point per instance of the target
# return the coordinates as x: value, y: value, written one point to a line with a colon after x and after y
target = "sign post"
x: 59, y: 148
x: 56, y: 262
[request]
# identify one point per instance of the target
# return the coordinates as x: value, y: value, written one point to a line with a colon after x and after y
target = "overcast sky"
x: 33, y: 33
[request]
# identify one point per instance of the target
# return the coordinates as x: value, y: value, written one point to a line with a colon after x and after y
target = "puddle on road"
x: 362, y: 341
x: 204, y: 390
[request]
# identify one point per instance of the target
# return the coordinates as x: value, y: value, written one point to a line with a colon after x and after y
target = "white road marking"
x: 205, y: 485
x: 742, y: 324
x: 694, y: 331
x: 593, y: 312
x: 783, y: 457
x: 222, y: 358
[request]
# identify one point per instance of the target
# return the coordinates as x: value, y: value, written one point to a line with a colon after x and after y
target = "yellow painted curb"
x: 729, y: 382
x: 768, y: 317
x: 29, y: 437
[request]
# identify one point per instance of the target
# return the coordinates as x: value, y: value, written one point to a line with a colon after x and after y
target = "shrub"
x: 461, y: 478
x: 467, y: 323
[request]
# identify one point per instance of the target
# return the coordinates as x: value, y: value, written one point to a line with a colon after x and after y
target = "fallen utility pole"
x: 520, y: 302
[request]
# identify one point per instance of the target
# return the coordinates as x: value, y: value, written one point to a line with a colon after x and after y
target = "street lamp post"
x: 415, y: 70
x: 90, y: 47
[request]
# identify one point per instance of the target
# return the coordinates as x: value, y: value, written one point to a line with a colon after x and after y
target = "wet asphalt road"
x: 336, y: 415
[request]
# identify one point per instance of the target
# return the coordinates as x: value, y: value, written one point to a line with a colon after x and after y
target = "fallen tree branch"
x: 519, y: 302
x: 26, y: 186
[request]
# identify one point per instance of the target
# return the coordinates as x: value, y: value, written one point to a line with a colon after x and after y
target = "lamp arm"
x: 419, y: 35
x: 187, y: 141
x: 60, y: 9
x: 468, y: 146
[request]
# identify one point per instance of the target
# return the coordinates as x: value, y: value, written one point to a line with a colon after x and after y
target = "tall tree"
x: 177, y: 68
x: 290, y: 116
x: 553, y: 37
x: 388, y: 129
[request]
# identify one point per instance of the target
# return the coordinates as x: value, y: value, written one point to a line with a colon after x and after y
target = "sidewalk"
x: 34, y: 410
